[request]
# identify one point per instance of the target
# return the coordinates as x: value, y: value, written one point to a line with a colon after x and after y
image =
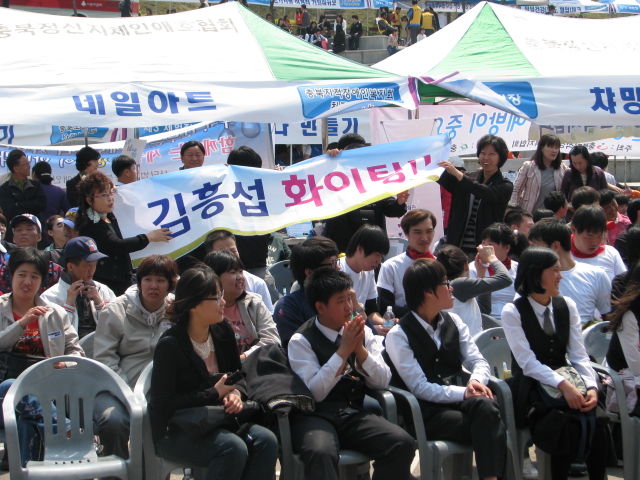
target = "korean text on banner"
x: 254, y: 201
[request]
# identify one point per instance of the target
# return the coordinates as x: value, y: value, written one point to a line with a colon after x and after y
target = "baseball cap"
x: 20, y: 218
x: 84, y: 248
x: 70, y: 217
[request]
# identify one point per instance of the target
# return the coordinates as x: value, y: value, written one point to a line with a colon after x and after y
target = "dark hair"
x: 633, y: 242
x: 515, y: 216
x: 422, y: 276
x: 541, y: 213
x: 633, y: 209
x: 332, y: 145
x: 84, y: 156
x: 42, y: 170
x: 533, y: 261
x: 194, y: 285
x: 576, y: 177
x: 29, y: 255
x: 538, y: 158
x: 51, y: 220
x: 4, y: 220
x: 499, y: 233
x: 160, y: 266
x: 121, y: 163
x: 323, y: 283
x: 94, y: 182
x: 549, y: 230
x: 453, y: 259
x: 14, y: 158
x: 414, y: 217
x: 355, y: 16
x: 497, y: 143
x: 599, y: 159
x: 371, y: 238
x: 629, y: 300
x: 584, y: 196
x: 310, y: 254
x: 590, y: 219
x: 245, y: 157
x: 622, y: 199
x: 222, y: 261
x: 213, y: 237
x: 555, y: 200
x: 192, y: 143
x: 606, y: 196
x: 349, y: 138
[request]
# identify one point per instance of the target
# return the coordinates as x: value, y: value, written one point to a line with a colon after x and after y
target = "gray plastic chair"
x: 494, y: 347
x: 282, y: 275
x: 71, y: 455
x: 156, y: 468
x: 86, y: 343
x: 489, y: 322
x: 596, y: 339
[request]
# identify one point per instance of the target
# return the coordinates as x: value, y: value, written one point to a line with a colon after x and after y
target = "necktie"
x: 547, y: 326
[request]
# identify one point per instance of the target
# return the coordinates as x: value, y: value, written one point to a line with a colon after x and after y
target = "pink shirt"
x: 622, y: 222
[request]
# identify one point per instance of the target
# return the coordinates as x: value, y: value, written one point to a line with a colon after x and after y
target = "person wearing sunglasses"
x: 247, y: 314
x: 96, y: 220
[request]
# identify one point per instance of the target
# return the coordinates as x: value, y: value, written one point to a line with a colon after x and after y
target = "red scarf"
x: 414, y: 255
x: 577, y: 253
x: 506, y: 263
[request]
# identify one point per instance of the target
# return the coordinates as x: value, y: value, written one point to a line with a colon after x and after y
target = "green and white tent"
x: 550, y: 70
x: 220, y: 63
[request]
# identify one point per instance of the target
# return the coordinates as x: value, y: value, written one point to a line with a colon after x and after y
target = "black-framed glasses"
x: 447, y: 283
x: 332, y: 263
x: 216, y: 299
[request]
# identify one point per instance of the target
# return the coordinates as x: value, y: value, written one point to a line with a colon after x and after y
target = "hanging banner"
x: 162, y: 152
x: 251, y: 201
x: 310, y: 132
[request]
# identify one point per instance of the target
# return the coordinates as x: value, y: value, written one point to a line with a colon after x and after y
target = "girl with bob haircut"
x: 581, y: 174
x: 96, y: 195
x: 544, y: 333
x: 190, y: 365
x: 539, y: 176
x: 246, y: 313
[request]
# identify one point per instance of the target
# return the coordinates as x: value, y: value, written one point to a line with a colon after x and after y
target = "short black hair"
x: 84, y: 156
x: 541, y: 213
x: 633, y: 209
x: 371, y: 238
x: 633, y: 242
x: 549, y: 230
x: 422, y: 276
x: 515, y: 216
x: 584, y: 196
x: 192, y: 143
x: 496, y: 142
x: 310, y: 254
x: 599, y: 159
x: 194, y: 285
x: 323, y: 283
x: 222, y: 261
x: 349, y: 138
x: 533, y: 261
x: 355, y: 16
x: 414, y: 217
x: 214, y: 236
x: 622, y: 199
x: 245, y: 157
x: 159, y: 266
x: 14, y: 158
x: 555, y: 200
x: 121, y: 163
x: 499, y: 233
x: 453, y: 259
x: 606, y: 196
x: 29, y: 255
x: 589, y: 218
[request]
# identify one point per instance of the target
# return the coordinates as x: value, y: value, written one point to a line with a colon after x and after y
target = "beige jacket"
x: 526, y: 188
x: 58, y: 336
x: 258, y: 321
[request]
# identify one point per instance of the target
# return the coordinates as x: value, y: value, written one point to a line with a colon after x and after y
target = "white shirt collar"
x: 426, y: 325
x: 538, y: 308
x: 327, y: 332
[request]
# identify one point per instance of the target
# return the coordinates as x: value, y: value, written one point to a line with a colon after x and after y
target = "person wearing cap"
x: 19, y: 194
x: 69, y: 223
x: 57, y: 202
x: 27, y: 232
x: 81, y: 296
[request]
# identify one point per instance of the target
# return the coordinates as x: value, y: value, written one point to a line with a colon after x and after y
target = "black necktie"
x: 547, y: 325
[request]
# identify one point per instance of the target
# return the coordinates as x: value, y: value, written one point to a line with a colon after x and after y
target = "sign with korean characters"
x: 251, y: 201
x: 310, y: 132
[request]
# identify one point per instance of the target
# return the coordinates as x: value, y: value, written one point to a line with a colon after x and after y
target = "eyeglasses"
x: 447, y: 283
x: 107, y: 195
x: 23, y: 164
x: 217, y: 299
x: 332, y: 263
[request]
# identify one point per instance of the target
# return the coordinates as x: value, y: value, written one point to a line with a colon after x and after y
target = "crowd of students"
x: 205, y: 316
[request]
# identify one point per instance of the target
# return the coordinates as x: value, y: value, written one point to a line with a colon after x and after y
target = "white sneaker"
x: 529, y: 472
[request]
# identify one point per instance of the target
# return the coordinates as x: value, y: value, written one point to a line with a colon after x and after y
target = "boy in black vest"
x: 428, y: 346
x: 336, y: 355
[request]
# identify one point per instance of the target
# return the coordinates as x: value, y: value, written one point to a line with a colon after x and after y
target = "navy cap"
x: 84, y: 248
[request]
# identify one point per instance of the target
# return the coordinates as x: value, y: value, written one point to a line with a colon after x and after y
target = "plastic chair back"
x: 596, y: 339
x: 489, y: 322
x: 86, y: 343
x: 495, y: 349
x: 71, y: 454
x: 282, y: 275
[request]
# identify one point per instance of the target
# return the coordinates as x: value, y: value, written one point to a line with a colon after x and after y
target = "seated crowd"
x: 205, y: 316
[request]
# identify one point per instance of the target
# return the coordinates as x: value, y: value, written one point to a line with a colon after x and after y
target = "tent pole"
x: 86, y: 137
x: 325, y: 133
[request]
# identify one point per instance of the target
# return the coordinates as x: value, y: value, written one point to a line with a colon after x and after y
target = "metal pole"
x: 86, y: 137
x: 325, y: 133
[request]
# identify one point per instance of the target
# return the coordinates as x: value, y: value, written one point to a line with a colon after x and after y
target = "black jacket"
x: 72, y: 190
x: 180, y: 378
x: 15, y: 201
x: 356, y: 27
x: 494, y: 197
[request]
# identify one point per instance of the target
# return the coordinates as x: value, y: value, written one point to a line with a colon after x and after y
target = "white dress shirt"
x: 364, y: 283
x: 531, y: 367
x: 411, y: 373
x: 322, y: 378
x: 629, y: 341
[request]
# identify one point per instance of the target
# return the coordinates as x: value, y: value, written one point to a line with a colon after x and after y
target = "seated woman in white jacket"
x: 252, y: 323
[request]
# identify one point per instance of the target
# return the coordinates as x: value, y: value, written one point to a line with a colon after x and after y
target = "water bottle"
x: 388, y: 318
x: 187, y: 474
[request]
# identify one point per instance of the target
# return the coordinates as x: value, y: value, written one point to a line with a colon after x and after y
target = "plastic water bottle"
x: 187, y: 474
x: 388, y: 318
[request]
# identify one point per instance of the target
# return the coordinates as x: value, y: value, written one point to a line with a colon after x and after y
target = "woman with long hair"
x: 582, y: 173
x: 190, y: 368
x: 539, y: 176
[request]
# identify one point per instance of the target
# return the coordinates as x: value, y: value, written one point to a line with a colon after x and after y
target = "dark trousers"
x: 475, y: 420
x: 318, y: 441
x: 354, y: 42
x: 596, y: 459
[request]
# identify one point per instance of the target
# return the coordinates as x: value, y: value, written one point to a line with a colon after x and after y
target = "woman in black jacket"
x: 96, y: 195
x: 479, y: 198
x: 188, y: 362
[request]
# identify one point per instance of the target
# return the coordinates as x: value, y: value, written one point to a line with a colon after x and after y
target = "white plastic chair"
x: 156, y: 468
x: 489, y: 322
x: 71, y: 455
x: 282, y: 275
x: 86, y: 343
x: 596, y: 339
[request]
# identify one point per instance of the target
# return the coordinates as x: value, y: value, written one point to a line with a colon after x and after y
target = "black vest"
x: 437, y: 364
x: 550, y: 350
x: 615, y: 355
x: 349, y: 391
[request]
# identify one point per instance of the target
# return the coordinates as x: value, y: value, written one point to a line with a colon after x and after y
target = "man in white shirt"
x: 336, y: 355
x: 125, y: 169
x: 587, y: 285
x: 426, y: 348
